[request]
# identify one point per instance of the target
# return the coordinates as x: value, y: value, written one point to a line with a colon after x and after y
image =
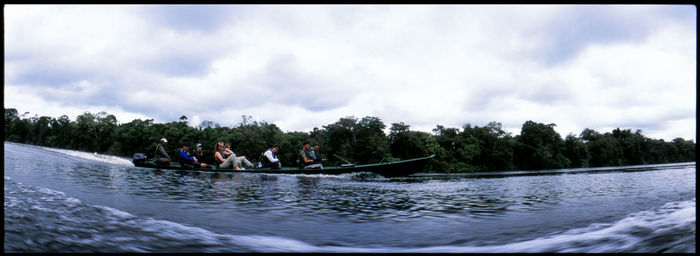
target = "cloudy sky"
x: 300, y: 67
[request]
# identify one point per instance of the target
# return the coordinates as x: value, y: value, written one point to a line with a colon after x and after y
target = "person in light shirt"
x: 269, y: 158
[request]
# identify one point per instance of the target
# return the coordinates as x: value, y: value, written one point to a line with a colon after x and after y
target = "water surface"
x: 68, y: 201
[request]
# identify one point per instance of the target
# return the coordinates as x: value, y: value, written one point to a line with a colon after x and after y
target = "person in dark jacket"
x: 188, y: 161
x: 197, y: 153
x: 269, y: 159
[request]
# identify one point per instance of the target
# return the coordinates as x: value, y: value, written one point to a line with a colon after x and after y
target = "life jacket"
x: 263, y: 159
x: 217, y: 159
x: 317, y: 159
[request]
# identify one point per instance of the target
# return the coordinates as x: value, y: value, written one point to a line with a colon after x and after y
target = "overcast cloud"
x: 300, y: 67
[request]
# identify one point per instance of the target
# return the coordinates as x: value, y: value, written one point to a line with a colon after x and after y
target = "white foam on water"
x: 92, y: 156
x: 223, y: 242
x: 51, y: 192
x: 115, y: 212
x: 621, y: 236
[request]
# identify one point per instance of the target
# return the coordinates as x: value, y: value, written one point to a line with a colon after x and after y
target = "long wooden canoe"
x: 386, y: 169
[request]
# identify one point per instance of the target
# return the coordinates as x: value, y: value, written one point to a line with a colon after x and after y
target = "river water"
x: 68, y: 201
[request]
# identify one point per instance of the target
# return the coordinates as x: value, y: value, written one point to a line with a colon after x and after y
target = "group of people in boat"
x: 309, y: 157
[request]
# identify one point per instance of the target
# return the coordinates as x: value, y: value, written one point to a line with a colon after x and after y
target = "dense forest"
x: 469, y: 149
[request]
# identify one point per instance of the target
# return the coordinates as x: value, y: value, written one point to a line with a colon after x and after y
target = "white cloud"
x: 307, y: 66
x: 24, y: 100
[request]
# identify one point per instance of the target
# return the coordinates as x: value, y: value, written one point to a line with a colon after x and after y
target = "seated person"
x: 316, y: 155
x: 228, y: 159
x: 239, y: 159
x: 188, y: 161
x: 268, y: 159
x: 161, y: 156
x: 197, y: 153
x: 306, y: 158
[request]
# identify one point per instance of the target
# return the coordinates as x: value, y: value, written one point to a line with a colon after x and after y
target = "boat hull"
x: 387, y: 169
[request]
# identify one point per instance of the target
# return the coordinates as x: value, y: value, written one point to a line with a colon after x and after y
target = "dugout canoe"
x: 386, y: 169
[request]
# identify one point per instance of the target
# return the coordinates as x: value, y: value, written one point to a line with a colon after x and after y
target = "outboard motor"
x: 139, y: 158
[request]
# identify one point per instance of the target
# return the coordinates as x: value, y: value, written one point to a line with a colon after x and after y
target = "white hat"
x: 163, y: 140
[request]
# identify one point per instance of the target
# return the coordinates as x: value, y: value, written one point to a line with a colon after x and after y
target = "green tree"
x: 630, y: 145
x: 686, y: 150
x: 435, y: 164
x: 458, y: 151
x: 252, y: 138
x: 371, y: 144
x: 495, y: 147
x: 539, y: 147
x: 399, y: 140
x: 11, y: 119
x: 18, y: 126
x: 576, y: 151
x: 605, y: 151
x: 405, y: 144
x: 104, y: 130
x: 60, y: 132
x: 136, y: 136
x: 473, y: 148
x: 341, y: 137
x: 41, y: 129
x: 84, y: 135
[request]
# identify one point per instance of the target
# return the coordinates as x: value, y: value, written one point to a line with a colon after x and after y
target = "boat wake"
x: 670, y: 228
x: 77, y: 226
x: 92, y: 156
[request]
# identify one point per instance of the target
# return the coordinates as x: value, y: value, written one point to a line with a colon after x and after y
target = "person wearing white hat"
x: 161, y: 156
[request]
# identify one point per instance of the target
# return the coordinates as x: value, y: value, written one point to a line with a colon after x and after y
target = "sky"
x: 306, y: 66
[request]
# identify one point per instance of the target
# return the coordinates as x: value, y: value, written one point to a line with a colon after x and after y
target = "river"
x: 67, y: 201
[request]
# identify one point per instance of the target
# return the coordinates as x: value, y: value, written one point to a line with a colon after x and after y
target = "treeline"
x: 471, y: 148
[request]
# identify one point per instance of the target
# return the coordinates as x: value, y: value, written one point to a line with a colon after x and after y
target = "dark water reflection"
x: 242, y: 212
